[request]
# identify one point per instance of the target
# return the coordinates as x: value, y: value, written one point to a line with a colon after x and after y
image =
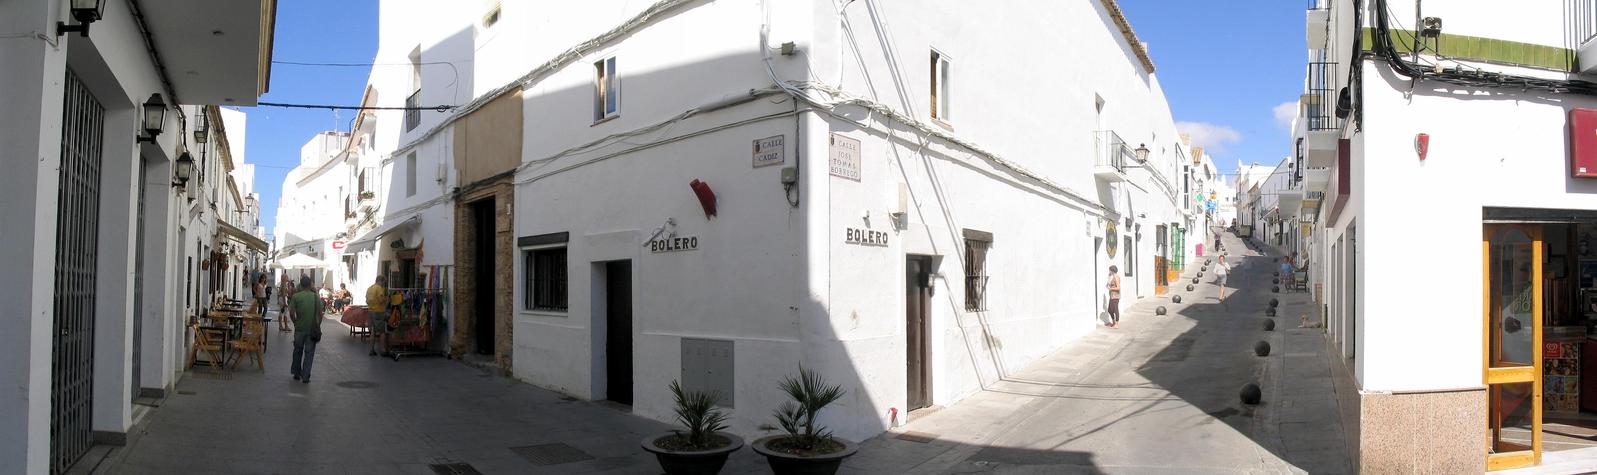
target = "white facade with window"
x: 803, y: 261
x: 81, y: 338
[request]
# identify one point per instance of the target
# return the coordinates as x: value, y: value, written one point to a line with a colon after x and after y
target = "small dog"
x: 1303, y: 322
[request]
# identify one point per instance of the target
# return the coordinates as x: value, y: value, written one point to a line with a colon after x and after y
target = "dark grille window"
x: 545, y: 280
x: 976, y: 273
x: 412, y: 111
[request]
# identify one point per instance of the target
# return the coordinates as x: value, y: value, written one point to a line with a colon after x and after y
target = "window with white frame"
x: 410, y: 175
x: 940, y: 92
x: 606, y: 89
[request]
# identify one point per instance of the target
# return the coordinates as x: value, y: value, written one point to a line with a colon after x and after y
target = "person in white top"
x: 1221, y: 271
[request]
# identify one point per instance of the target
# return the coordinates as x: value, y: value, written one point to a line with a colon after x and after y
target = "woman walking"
x: 1114, y: 296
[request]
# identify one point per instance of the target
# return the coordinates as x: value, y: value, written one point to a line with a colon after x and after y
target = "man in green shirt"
x: 307, y: 308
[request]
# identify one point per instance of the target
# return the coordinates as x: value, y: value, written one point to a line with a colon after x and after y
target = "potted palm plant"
x: 700, y: 447
x: 802, y: 447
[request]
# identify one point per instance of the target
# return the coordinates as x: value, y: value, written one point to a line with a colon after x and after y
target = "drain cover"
x: 454, y: 469
x: 913, y: 436
x: 551, y: 454
x: 357, y: 384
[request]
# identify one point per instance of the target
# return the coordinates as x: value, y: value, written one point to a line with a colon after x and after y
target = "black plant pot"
x: 1269, y: 325
x: 1159, y: 311
x: 1176, y: 299
x: 1261, y: 348
x: 1251, y: 394
x: 787, y: 464
x: 707, y: 462
x: 1274, y: 303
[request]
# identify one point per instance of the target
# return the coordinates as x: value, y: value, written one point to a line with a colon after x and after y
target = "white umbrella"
x: 299, y: 261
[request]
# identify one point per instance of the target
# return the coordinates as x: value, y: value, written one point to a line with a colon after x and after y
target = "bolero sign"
x: 674, y: 244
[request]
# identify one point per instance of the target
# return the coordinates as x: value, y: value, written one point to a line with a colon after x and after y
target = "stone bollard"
x: 1275, y: 281
x: 1189, y: 287
x: 1269, y: 325
x: 1251, y: 395
x: 1261, y: 348
x: 1176, y: 299
x: 1269, y: 312
x: 1159, y: 311
x: 1275, y: 289
x: 1194, y: 280
x: 1274, y: 303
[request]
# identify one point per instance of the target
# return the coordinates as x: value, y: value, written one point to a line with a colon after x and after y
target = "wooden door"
x: 917, y: 350
x: 1513, y: 350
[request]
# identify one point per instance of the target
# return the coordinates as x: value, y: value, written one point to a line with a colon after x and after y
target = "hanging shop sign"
x: 1111, y: 238
x: 338, y: 245
x: 674, y: 244
x: 844, y: 153
x: 768, y: 151
x: 864, y: 237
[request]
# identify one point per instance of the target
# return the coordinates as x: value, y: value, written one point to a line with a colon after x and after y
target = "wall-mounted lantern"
x: 86, y: 12
x: 154, y: 118
x: 183, y: 170
x: 202, y: 129
x: 1142, y: 152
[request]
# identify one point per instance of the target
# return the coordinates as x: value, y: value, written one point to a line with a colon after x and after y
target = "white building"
x: 670, y: 192
x: 107, y: 248
x: 1456, y: 167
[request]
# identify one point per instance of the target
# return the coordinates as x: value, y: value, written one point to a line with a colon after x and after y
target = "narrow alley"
x: 1158, y: 395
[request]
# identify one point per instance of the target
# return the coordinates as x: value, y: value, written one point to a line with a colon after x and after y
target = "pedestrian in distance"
x: 377, y: 313
x: 1114, y: 296
x: 259, y: 292
x: 1286, y: 272
x: 341, y: 298
x: 307, y: 329
x: 1222, y: 270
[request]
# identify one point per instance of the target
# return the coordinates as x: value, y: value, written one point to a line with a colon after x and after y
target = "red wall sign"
x: 1583, y: 143
x: 338, y: 245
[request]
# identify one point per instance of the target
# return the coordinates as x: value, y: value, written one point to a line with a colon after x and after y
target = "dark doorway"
x: 483, y: 265
x: 917, y: 343
x: 618, y: 331
x: 138, y: 288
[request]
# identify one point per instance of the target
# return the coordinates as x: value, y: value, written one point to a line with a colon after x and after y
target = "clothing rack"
x: 415, y: 323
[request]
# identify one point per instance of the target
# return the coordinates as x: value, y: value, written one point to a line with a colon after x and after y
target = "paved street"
x: 1158, y: 395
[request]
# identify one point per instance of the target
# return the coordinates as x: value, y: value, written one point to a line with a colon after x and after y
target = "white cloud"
x: 1213, y: 138
x: 1285, y: 114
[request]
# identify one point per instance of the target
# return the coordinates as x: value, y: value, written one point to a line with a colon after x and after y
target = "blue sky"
x: 1226, y: 67
x: 343, y: 31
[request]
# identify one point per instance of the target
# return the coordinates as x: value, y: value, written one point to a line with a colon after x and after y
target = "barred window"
x: 544, y: 279
x: 977, y: 243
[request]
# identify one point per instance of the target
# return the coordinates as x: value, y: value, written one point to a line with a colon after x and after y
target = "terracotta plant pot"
x: 788, y: 464
x: 706, y: 462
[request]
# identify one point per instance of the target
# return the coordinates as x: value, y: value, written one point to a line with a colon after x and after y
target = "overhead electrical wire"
x: 1458, y: 75
x: 438, y: 108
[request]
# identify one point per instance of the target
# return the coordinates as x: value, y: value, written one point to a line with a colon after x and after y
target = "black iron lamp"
x: 86, y: 12
x: 183, y: 170
x: 154, y: 117
x: 1142, y: 152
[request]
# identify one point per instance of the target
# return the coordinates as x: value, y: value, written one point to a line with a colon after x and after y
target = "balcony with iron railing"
x: 1319, y: 107
x: 1111, y: 156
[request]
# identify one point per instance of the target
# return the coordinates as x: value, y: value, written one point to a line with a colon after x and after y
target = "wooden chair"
x: 210, y: 340
x: 248, y: 345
